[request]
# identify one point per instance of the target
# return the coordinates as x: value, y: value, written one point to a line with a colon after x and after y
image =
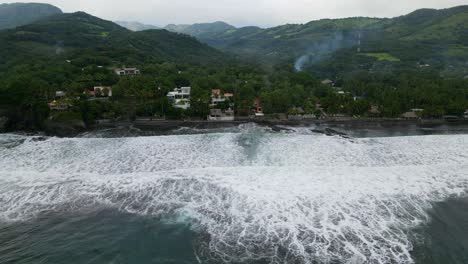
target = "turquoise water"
x: 445, y: 238
x: 242, y: 195
x: 96, y: 236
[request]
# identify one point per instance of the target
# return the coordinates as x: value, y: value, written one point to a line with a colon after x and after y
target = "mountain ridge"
x: 73, y: 34
x: 18, y: 14
x: 135, y: 26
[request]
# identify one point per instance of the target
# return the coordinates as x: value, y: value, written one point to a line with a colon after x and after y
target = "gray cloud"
x: 244, y: 12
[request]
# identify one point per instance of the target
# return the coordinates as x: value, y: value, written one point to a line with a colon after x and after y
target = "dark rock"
x: 318, y: 131
x: 333, y: 132
x: 35, y: 139
x: 279, y: 129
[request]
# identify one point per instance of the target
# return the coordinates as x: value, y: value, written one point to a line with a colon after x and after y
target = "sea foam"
x: 285, y: 197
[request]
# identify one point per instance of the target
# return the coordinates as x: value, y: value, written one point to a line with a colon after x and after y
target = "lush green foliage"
x: 86, y: 40
x: 201, y: 30
x: 434, y: 37
x: 75, y: 52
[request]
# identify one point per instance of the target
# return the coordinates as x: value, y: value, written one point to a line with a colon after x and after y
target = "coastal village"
x: 222, y: 104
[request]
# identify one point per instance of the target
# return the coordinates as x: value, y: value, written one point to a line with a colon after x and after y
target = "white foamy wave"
x: 282, y: 197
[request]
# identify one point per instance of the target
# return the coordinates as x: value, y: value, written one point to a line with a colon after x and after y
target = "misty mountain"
x: 82, y: 37
x: 291, y: 40
x: 18, y: 14
x: 201, y: 30
x: 427, y: 37
x: 135, y: 26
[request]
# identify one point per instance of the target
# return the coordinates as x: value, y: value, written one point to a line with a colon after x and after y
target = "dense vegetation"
x: 437, y: 38
x: 75, y: 52
x: 201, y: 30
x: 18, y: 14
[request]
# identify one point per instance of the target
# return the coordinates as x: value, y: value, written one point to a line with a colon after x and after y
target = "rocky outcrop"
x: 64, y: 129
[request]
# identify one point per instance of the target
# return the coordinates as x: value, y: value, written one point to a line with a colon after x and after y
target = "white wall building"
x: 180, y: 97
x: 127, y: 71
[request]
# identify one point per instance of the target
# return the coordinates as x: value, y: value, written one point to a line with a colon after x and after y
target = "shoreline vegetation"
x: 64, y: 83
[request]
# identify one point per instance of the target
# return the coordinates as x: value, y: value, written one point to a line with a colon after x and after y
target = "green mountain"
x: 201, y: 30
x: 135, y: 26
x: 288, y: 41
x: 425, y: 39
x: 18, y: 14
x: 82, y: 37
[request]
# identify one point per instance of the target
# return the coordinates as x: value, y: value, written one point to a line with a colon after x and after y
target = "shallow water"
x: 242, y: 195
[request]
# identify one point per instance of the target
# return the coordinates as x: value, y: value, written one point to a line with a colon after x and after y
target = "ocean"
x: 247, y: 194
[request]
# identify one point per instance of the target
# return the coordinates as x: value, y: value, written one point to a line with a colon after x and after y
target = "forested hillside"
x: 85, y: 39
x: 426, y: 39
x: 18, y: 14
x: 383, y: 65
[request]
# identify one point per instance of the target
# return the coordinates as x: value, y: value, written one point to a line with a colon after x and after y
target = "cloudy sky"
x: 262, y: 13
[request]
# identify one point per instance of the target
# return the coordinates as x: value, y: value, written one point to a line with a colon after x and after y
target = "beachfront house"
x: 219, y: 103
x: 127, y: 71
x: 218, y: 98
x: 257, y: 108
x: 466, y: 114
x: 180, y: 97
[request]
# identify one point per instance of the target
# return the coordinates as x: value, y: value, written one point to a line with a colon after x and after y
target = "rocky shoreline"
x: 71, y: 129
x: 276, y: 125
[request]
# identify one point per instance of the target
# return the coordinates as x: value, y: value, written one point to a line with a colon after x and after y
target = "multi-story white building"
x: 180, y: 97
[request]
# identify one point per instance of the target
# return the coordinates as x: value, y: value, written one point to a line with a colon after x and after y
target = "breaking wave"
x: 274, y: 197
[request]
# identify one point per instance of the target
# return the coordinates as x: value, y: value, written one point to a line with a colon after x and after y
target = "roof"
x: 327, y: 81
x: 216, y: 92
x: 228, y: 95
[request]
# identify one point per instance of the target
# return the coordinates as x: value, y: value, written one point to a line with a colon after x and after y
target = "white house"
x: 466, y: 114
x: 217, y: 97
x: 60, y: 94
x: 127, y: 71
x: 180, y: 97
x: 217, y: 114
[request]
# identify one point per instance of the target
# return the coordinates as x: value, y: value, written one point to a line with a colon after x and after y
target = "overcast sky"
x: 264, y: 13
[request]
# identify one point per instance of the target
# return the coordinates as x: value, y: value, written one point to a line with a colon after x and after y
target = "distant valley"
x: 426, y: 38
